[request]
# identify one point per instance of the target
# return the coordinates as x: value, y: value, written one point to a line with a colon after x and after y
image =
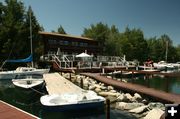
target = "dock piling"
x: 81, y: 84
x: 107, y: 109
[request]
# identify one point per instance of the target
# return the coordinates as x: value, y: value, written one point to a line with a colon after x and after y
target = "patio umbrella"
x: 83, y: 55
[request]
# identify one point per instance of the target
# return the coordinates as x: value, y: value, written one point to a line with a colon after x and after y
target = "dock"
x: 156, y: 94
x: 56, y: 84
x: 8, y: 111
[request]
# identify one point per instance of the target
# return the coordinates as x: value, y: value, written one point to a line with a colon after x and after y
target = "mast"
x: 30, y: 29
x: 166, y: 51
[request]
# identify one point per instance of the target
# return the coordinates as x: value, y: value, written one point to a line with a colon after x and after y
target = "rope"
x: 37, y: 91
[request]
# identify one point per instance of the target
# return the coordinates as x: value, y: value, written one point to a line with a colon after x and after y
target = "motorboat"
x: 162, y: 65
x: 21, y: 70
x: 28, y: 81
x: 70, y: 101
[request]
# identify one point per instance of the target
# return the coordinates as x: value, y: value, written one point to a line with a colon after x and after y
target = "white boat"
x: 162, y: 65
x: 28, y: 81
x: 21, y: 70
x: 70, y: 101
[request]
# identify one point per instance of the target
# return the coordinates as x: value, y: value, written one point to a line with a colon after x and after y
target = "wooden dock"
x: 156, y: 94
x: 8, y: 111
x: 56, y: 84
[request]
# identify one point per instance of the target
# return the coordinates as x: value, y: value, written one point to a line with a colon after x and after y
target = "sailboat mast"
x: 166, y: 50
x: 30, y: 29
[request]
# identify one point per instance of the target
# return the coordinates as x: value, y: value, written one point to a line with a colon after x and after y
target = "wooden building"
x: 69, y: 44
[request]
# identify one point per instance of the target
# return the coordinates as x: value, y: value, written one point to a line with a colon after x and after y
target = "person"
x: 149, y: 62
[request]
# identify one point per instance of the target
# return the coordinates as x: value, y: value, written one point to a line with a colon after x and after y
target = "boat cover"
x: 28, y: 59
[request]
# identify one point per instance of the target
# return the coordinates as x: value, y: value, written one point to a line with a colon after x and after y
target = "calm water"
x: 167, y: 84
x: 29, y: 101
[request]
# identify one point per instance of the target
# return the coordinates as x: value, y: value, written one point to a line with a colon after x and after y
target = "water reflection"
x: 28, y: 100
x: 167, y: 84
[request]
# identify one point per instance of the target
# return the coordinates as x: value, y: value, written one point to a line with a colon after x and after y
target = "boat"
x: 71, y: 101
x: 162, y: 65
x: 21, y: 70
x: 28, y: 81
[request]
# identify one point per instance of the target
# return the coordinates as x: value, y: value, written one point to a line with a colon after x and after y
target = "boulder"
x: 111, y: 98
x: 97, y: 90
x: 154, y: 114
x: 122, y: 97
x: 128, y: 106
x: 104, y: 94
x: 139, y: 110
x: 153, y: 105
x: 92, y: 87
x: 129, y: 97
x: 110, y: 88
x: 113, y: 91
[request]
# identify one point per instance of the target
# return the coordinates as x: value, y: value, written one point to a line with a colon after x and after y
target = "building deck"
x: 8, y: 111
x: 156, y: 94
x: 56, y: 84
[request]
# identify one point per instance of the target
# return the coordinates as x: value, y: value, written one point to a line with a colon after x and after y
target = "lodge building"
x: 69, y: 44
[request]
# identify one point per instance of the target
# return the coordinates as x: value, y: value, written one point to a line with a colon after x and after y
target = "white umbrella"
x: 83, y: 55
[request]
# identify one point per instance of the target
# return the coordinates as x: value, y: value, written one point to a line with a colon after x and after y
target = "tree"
x: 14, y: 32
x: 133, y: 44
x: 61, y: 30
x: 98, y: 32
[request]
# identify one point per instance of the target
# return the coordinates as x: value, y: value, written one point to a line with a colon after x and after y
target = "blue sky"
x: 154, y: 17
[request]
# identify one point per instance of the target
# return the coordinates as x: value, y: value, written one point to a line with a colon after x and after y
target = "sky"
x: 153, y: 17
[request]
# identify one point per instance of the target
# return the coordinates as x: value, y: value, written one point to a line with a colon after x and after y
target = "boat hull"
x: 72, y: 101
x: 84, y: 106
x: 12, y: 74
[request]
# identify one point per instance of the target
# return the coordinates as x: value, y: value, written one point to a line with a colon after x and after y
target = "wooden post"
x: 107, y: 109
x: 70, y: 76
x: 81, y: 83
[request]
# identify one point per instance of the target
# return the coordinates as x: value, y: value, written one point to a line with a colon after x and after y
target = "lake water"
x: 159, y: 82
x: 28, y: 100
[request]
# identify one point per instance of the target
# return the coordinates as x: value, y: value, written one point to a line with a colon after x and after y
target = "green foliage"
x: 61, y: 30
x: 14, y: 30
x: 132, y: 43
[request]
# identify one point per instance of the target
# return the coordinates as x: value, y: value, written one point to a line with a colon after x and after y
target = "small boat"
x: 21, y: 70
x: 70, y: 101
x: 28, y: 81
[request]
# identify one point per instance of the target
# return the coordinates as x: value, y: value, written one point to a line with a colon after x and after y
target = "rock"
x: 97, y: 90
x: 154, y: 114
x: 145, y: 101
x: 122, y: 97
x: 104, y: 94
x: 128, y: 106
x: 120, y: 105
x: 137, y: 96
x: 111, y: 98
x: 139, y: 110
x: 110, y: 88
x: 113, y: 91
x: 92, y: 87
x: 153, y: 105
x: 129, y: 97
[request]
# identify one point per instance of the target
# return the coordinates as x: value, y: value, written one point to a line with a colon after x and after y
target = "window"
x: 52, y: 41
x: 66, y: 43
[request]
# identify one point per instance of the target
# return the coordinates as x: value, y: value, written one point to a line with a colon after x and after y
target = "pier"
x: 156, y: 94
x: 8, y: 111
x: 56, y: 84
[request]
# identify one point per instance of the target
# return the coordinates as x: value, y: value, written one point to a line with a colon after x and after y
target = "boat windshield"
x: 33, y: 76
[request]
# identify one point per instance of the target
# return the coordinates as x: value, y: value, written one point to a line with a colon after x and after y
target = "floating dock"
x: 56, y: 84
x: 8, y: 111
x: 156, y: 94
